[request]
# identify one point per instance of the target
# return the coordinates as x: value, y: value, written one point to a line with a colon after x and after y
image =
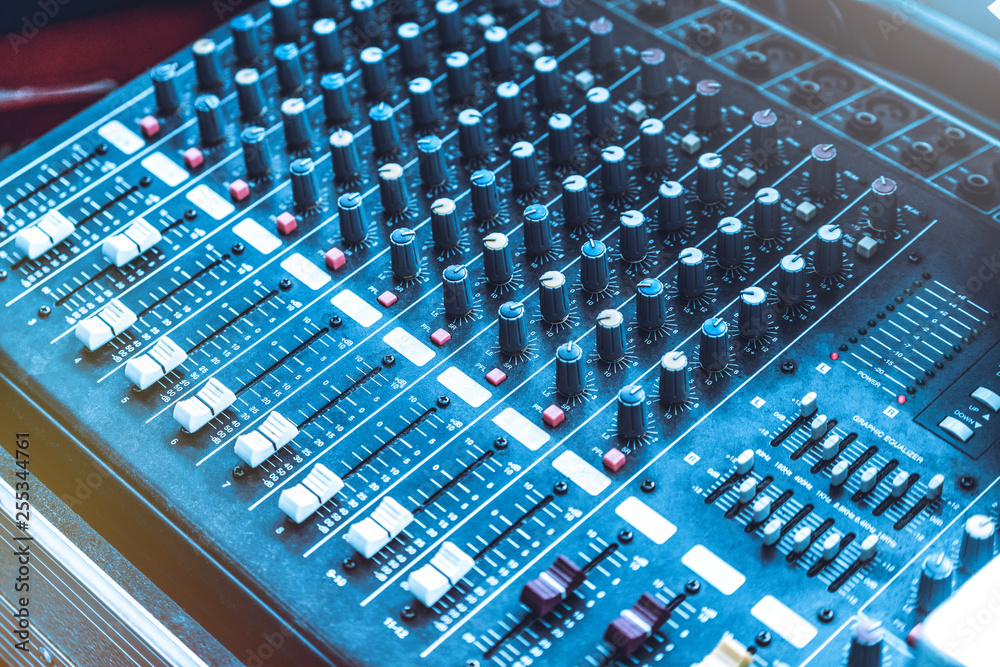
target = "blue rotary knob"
x: 498, y: 261
x: 729, y: 248
x: 792, y: 280
x: 336, y: 102
x: 594, y: 272
x: 614, y: 170
x: 499, y: 57
x: 433, y: 161
x: 651, y: 304
x: 211, y: 124
x: 569, y: 370
x: 713, y: 355
x: 285, y: 19
x: 296, y: 123
x: 561, y: 139
x: 553, y: 297
x: 652, y: 144
x: 599, y: 121
x: 671, y: 215
x: 577, y: 209
x: 344, y: 156
x: 472, y: 140
x: 632, y: 412
x: 288, y: 62
x: 537, y: 230
x: 403, y: 254
x: 675, y: 383
x: 633, y: 236
x: 445, y: 228
x: 256, y: 152
x: 411, y: 47
x: 513, y: 327
x: 329, y: 52
x: 691, y: 278
x: 353, y: 218
x: 822, y: 170
x: 456, y: 288
x: 374, y: 71
x: 461, y: 85
x: 449, y: 22
x: 753, y: 317
x: 246, y: 40
x: 249, y: 93
x: 510, y: 109
x: 485, y: 197
x: 165, y: 88
x: 610, y: 330
x: 423, y: 103
x: 548, y: 82
x: 385, y: 130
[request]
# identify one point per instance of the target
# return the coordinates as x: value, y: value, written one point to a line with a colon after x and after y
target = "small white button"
x: 987, y: 397
x: 956, y: 428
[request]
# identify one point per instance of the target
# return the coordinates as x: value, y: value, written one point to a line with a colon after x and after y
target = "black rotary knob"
x: 498, y: 261
x: 569, y: 370
x: 246, y: 40
x: 353, y: 217
x: 385, y: 129
x: 577, y: 209
x: 561, y: 139
x: 433, y: 161
x: 729, y: 248
x: 675, y: 383
x: 537, y: 230
x: 707, y: 105
x: 651, y: 304
x: 211, y: 124
x: 524, y: 166
x: 510, y: 109
x: 764, y: 135
x: 866, y: 644
x: 513, y: 328
x: 632, y: 423
x: 472, y: 139
x: 614, y: 171
x: 611, y: 344
x: 249, y: 93
x: 456, y: 288
x: 883, y: 205
x: 423, y: 103
x: 633, y: 236
x: 256, y: 152
x: 792, y: 280
x: 594, y: 272
x: 305, y: 184
x: 551, y: 20
x: 823, y: 170
x: 207, y: 68
x: 671, y: 215
x: 411, y: 47
x: 652, y: 144
x: 978, y: 543
x: 165, y: 88
x: 767, y: 215
x: 403, y: 254
x: 461, y: 85
x: 937, y: 577
x: 599, y: 122
x: 449, y: 22
x: 753, y: 317
x: 499, y: 57
x: 374, y: 71
x: 288, y: 62
x: 296, y: 123
x: 485, y: 197
x: 653, y: 75
x: 336, y: 102
x: 708, y: 185
x: 329, y: 52
x: 713, y: 355
x: 392, y: 188
x: 344, y: 156
x: 548, y: 82
x: 692, y: 280
x: 829, y: 258
x: 553, y: 297
x: 445, y: 228
x: 602, y: 43
x: 284, y: 17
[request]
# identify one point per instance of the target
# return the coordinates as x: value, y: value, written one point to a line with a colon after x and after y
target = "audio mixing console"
x: 513, y: 332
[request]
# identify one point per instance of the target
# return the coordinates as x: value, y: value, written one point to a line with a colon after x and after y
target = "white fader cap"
x: 318, y: 487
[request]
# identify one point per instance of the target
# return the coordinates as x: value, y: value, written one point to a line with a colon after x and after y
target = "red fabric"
x: 119, y: 46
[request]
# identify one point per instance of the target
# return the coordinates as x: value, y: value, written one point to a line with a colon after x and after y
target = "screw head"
x: 335, y: 321
x: 3, y: 274
x: 625, y: 536
x: 349, y: 563
x: 560, y: 488
x: 285, y: 284
x: 102, y: 149
x: 500, y: 443
x: 692, y: 587
x: 763, y: 638
x: 967, y: 482
x: 388, y: 360
x: 190, y: 214
x: 239, y: 472
x: 647, y: 486
x: 788, y: 366
x: 443, y: 401
x: 407, y: 613
x: 826, y: 615
x: 914, y: 258
x: 237, y: 249
x: 145, y: 181
x: 44, y: 312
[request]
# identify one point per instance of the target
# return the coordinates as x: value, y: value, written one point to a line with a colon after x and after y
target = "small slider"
x: 108, y: 322
x: 193, y: 413
x: 136, y: 239
x: 727, y: 653
x: 318, y: 487
x: 51, y: 230
x: 430, y: 582
x: 550, y: 588
x: 162, y: 358
x: 631, y: 630
x: 272, y: 435
x: 370, y: 534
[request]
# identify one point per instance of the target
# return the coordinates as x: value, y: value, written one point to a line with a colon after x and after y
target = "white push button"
x: 956, y: 428
x: 987, y: 397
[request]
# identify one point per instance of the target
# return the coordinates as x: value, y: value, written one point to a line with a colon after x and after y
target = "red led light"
x: 834, y: 356
x: 901, y: 399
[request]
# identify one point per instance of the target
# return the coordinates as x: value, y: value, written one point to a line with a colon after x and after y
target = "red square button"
x: 387, y: 298
x: 614, y: 459
x: 239, y: 190
x: 150, y: 126
x: 553, y: 415
x: 495, y: 377
x: 335, y: 258
x: 440, y: 337
x: 287, y: 223
x: 193, y: 158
